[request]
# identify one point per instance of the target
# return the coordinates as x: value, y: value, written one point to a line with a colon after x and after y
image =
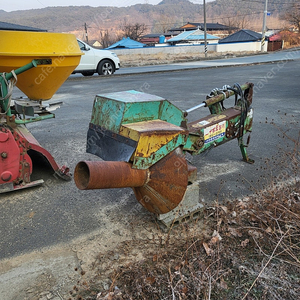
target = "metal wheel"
x: 106, y: 67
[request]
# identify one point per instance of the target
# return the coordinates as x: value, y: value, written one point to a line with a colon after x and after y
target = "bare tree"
x: 107, y: 39
x: 235, y: 23
x: 244, y: 22
x: 134, y: 31
x: 163, y: 24
x: 232, y: 24
x: 240, y: 22
x: 292, y: 15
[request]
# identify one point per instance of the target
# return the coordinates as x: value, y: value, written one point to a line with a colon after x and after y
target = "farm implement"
x: 37, y: 63
x: 143, y: 140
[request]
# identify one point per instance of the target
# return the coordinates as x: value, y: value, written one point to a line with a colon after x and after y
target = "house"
x: 244, y: 35
x: 16, y: 27
x: 216, y: 29
x: 155, y: 38
x: 275, y: 41
x: 213, y: 28
x: 95, y: 43
x: 193, y: 37
x: 126, y: 43
x: 242, y: 40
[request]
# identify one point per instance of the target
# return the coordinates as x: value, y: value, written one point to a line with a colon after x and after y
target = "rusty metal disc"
x: 167, y: 184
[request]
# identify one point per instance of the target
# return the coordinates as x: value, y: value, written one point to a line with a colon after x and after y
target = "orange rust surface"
x: 167, y: 184
x: 159, y: 189
x: 108, y: 174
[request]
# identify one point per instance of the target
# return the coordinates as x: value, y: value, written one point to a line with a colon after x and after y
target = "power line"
x: 240, y: 15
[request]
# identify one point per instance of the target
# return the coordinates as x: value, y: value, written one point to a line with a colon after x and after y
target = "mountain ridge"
x: 171, y: 13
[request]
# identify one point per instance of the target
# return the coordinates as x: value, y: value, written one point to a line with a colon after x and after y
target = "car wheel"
x: 88, y: 73
x: 106, y: 67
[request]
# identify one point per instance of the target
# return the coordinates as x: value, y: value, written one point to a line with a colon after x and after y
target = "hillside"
x: 168, y: 13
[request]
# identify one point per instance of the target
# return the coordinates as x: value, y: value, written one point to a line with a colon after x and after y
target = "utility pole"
x: 263, y: 39
x: 205, y: 29
x: 86, y: 33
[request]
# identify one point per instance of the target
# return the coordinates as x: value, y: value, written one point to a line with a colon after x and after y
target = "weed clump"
x: 247, y: 248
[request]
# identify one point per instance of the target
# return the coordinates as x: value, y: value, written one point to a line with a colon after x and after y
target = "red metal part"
x: 62, y: 172
x: 16, y: 164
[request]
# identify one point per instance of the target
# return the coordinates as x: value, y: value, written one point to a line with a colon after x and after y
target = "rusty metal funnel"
x: 18, y: 48
x: 159, y: 189
x: 167, y: 184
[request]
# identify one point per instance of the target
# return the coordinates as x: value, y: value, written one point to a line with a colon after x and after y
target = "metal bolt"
x: 4, y: 154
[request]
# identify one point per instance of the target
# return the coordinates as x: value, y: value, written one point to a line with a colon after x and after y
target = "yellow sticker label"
x: 214, y: 132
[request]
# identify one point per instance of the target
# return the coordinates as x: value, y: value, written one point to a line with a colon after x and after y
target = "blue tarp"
x: 126, y: 43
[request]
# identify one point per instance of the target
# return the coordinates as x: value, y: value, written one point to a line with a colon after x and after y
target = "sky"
x: 13, y: 5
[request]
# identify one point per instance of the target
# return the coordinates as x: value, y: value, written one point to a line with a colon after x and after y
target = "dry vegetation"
x: 160, y: 58
x: 244, y: 249
x: 137, y: 60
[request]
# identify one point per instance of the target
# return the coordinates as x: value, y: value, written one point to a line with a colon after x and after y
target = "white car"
x: 104, y: 62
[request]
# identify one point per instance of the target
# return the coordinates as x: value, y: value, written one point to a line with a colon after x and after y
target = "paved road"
x: 280, y: 57
x: 58, y: 212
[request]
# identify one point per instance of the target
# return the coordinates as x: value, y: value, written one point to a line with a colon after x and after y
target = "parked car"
x: 103, y: 62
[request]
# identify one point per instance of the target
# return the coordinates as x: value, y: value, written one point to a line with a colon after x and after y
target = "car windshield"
x: 81, y: 45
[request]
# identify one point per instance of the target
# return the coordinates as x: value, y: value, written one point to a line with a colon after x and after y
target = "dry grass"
x: 250, y: 249
x: 157, y: 58
x: 135, y: 60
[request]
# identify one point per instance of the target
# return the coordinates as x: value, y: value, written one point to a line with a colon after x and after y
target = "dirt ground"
x: 53, y: 272
x: 244, y: 249
x: 136, y: 60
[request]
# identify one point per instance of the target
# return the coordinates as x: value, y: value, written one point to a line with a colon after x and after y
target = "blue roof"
x: 243, y: 35
x: 193, y: 35
x: 126, y: 43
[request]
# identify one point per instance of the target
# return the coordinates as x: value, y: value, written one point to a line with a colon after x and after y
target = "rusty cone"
x: 159, y: 189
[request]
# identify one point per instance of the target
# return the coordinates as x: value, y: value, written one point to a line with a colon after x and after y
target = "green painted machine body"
x: 216, y: 130
x: 112, y: 112
x: 114, y: 109
x: 141, y: 128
